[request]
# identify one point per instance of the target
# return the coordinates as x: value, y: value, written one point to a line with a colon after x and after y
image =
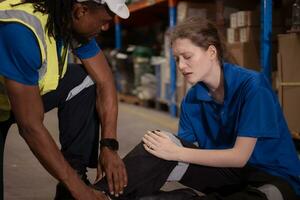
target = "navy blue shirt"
x: 20, y: 53
x: 250, y: 109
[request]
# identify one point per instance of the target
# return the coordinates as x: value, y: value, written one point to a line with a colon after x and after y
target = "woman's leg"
x: 146, y: 173
x: 247, y: 183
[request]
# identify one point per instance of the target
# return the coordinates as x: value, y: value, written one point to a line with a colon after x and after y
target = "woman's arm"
x: 160, y: 145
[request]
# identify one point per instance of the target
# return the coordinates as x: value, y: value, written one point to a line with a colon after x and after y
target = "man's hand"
x: 114, y: 170
x: 94, y: 195
x: 89, y: 193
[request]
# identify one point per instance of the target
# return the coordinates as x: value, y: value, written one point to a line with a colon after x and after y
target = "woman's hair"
x: 201, y: 32
x: 59, y: 12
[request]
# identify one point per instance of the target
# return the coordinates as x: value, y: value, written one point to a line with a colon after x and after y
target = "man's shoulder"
x: 20, y: 54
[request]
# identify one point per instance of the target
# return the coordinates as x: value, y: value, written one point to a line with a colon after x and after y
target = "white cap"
x: 116, y: 6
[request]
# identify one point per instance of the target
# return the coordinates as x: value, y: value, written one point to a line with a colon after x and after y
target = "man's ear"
x: 79, y: 11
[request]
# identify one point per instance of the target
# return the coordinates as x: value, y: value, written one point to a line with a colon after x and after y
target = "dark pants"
x: 78, y: 121
x: 147, y: 174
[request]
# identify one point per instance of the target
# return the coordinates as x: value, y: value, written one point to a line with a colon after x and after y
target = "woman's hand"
x: 160, y: 145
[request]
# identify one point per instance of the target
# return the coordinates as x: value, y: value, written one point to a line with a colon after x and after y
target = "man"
x: 34, y: 40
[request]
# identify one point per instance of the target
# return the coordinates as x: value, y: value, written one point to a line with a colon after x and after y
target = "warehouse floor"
x: 26, y: 179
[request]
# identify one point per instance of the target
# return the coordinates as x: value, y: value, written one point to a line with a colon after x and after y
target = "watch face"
x: 114, y: 145
x: 110, y: 143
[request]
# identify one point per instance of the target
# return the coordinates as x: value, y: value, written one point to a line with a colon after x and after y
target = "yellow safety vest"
x: 50, y: 71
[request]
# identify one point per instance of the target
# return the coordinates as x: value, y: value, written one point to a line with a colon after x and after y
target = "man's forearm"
x: 47, y: 152
x: 106, y: 102
x: 107, y: 107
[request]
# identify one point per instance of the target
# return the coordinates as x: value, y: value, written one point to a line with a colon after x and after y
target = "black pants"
x: 77, y: 117
x: 147, y: 174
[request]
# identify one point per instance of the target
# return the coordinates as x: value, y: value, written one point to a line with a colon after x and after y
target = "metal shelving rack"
x: 266, y: 43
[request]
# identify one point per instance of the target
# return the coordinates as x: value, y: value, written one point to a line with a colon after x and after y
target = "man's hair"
x: 59, y: 16
x: 59, y: 24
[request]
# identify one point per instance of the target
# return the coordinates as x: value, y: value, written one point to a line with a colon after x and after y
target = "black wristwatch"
x: 110, y: 143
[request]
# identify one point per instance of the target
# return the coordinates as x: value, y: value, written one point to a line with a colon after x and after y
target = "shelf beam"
x: 266, y: 38
x: 173, y: 75
x: 143, y: 4
x: 118, y: 33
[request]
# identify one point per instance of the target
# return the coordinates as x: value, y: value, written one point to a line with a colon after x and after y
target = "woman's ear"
x: 212, y: 52
x: 79, y: 11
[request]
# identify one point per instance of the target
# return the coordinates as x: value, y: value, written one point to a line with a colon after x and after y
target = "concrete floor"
x: 26, y: 179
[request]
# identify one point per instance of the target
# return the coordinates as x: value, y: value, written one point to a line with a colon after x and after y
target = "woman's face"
x: 193, y: 62
x: 88, y: 23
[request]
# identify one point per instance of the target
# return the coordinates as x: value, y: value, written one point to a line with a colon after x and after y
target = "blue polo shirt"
x: 250, y: 109
x: 20, y: 54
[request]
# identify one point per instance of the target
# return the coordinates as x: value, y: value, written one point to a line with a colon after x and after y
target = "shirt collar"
x: 202, y: 92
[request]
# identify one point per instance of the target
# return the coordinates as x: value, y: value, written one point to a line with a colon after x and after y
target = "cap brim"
x: 121, y: 10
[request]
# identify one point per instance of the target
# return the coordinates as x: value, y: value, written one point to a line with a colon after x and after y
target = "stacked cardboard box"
x: 187, y: 9
x: 243, y: 38
x: 244, y: 27
x: 289, y: 78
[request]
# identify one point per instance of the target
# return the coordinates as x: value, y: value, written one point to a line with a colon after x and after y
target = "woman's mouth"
x: 186, y: 73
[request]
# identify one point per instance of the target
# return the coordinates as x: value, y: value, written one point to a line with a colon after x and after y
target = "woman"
x: 244, y: 151
x: 233, y: 115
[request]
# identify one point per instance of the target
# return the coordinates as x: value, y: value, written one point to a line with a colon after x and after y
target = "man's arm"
x: 28, y: 110
x: 106, y: 102
x: 107, y: 107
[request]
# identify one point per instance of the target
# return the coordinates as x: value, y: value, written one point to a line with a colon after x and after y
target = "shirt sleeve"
x: 185, y: 129
x: 87, y: 50
x: 20, y: 54
x: 258, y: 117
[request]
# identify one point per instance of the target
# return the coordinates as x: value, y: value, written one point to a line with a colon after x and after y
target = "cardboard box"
x: 289, y: 97
x: 248, y: 18
x: 252, y: 33
x: 252, y: 18
x: 248, y: 34
x: 289, y: 78
x: 187, y: 9
x: 233, y: 35
x: 289, y: 54
x: 245, y: 54
x: 233, y: 20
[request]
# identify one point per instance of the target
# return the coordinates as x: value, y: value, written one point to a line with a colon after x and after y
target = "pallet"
x: 130, y: 99
x: 154, y: 104
x: 161, y: 105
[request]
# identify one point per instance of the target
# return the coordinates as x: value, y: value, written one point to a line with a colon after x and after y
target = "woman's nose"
x: 181, y: 65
